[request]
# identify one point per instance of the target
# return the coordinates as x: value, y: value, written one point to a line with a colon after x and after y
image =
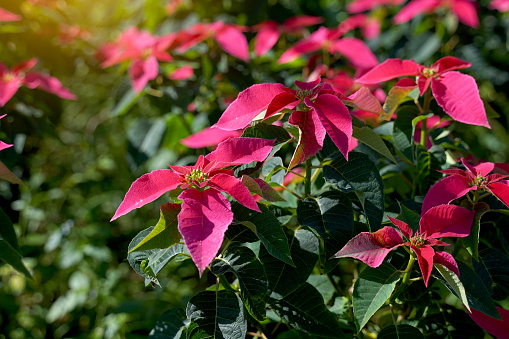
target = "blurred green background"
x: 78, y: 158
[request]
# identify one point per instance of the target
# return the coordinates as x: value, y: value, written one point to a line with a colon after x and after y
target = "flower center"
x: 418, y: 241
x: 429, y: 72
x: 196, y: 175
x: 8, y: 77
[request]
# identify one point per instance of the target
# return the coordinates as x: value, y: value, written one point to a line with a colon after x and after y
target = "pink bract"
x: 439, y: 221
x: 455, y: 92
x: 5, y: 15
x: 464, y: 9
x: 357, y: 6
x: 269, y: 31
x: 19, y: 75
x: 355, y: 50
x: 460, y: 182
x: 496, y: 327
x: 206, y: 213
x: 325, y: 113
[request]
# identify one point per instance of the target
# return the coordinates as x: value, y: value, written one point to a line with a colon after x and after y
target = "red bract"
x: 355, y: 50
x: 495, y: 327
x: 439, y: 221
x: 8, y: 16
x: 143, y: 50
x: 229, y: 37
x: 205, y: 213
x: 357, y: 6
x: 464, y: 9
x: 460, y: 182
x: 317, y: 110
x: 269, y: 31
x: 18, y: 75
x: 455, y: 92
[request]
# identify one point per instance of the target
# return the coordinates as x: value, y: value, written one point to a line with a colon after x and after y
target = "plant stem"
x: 408, y: 270
x: 292, y: 192
x: 425, y: 109
x: 307, y: 183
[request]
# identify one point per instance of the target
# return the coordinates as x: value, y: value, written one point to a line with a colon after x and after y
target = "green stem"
x: 307, y: 183
x: 425, y: 109
x: 225, y: 283
x: 408, y: 270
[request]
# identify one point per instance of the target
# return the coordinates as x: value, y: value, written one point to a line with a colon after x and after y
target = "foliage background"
x: 78, y: 158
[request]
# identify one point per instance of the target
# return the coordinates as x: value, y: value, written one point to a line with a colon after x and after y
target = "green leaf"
x: 127, y: 102
x: 160, y: 257
x: 409, y: 216
x: 268, y: 229
x: 139, y: 260
x: 169, y: 325
x: 283, y: 278
x: 331, y: 217
x: 478, y: 296
x: 216, y: 315
x: 454, y: 283
x: 253, y: 283
x: 9, y: 249
x: 403, y: 131
x: 472, y: 240
x: 493, y: 269
x: 7, y: 175
x: 305, y: 310
x: 359, y: 174
x: 428, y: 165
x: 165, y: 233
x: 264, y: 131
x: 274, y: 170
x: 367, y: 136
x: 371, y: 290
x: 402, y: 331
x: 7, y: 232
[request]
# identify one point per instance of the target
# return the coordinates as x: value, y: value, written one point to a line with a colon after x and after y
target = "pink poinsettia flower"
x: 460, y: 182
x: 142, y: 50
x: 357, y: 6
x: 5, y: 15
x: 500, y: 5
x: 229, y: 37
x: 269, y: 31
x: 205, y: 213
x: 353, y: 49
x: 317, y: 110
x: 439, y: 221
x: 455, y: 92
x: 369, y: 26
x: 464, y: 9
x: 19, y: 75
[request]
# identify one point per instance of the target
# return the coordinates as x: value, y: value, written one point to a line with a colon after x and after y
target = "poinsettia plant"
x: 338, y: 182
